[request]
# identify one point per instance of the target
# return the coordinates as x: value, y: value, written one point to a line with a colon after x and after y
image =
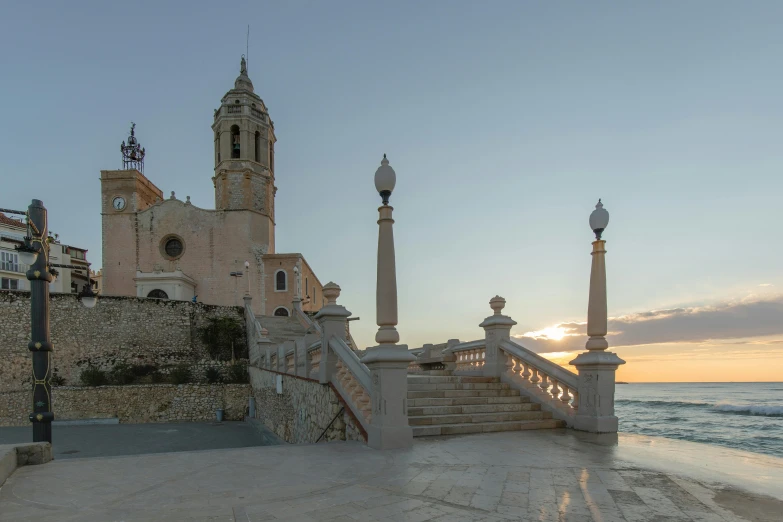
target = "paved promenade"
x: 112, y: 440
x: 548, y: 475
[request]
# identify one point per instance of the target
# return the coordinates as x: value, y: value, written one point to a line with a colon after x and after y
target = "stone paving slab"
x: 556, y: 475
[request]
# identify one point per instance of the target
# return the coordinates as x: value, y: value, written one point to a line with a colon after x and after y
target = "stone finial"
x: 331, y: 293
x: 497, y: 304
x: 264, y: 332
x: 172, y: 195
x: 187, y: 201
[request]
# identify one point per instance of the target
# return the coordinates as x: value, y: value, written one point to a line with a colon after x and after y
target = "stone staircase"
x: 451, y: 405
x: 281, y: 329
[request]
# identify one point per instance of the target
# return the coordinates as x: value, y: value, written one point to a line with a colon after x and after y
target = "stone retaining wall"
x: 133, y: 403
x: 301, y: 413
x: 119, y: 329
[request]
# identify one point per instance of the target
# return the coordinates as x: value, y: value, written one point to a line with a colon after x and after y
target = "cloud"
x: 766, y: 284
x: 748, y: 317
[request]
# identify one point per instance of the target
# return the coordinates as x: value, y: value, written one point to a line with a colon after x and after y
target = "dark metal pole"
x: 40, y: 343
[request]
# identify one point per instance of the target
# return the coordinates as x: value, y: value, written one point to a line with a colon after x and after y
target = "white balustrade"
x: 315, y: 361
x: 549, y: 382
x: 352, y: 378
x: 469, y: 356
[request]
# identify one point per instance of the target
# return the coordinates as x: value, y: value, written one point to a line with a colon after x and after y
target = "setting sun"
x: 555, y: 333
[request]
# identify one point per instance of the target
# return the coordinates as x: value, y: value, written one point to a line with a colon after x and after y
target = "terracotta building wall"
x: 275, y: 298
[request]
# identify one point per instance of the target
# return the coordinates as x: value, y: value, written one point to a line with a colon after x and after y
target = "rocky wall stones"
x: 303, y: 411
x: 134, y: 330
x: 133, y: 403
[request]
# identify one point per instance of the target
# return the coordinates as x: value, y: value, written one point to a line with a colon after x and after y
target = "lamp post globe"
x: 599, y: 220
x: 27, y: 256
x: 89, y: 299
x: 385, y: 179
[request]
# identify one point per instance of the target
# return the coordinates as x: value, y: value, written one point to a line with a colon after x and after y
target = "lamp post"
x: 386, y: 282
x: 596, y: 366
x: 35, y: 253
x: 247, y: 269
x: 388, y: 362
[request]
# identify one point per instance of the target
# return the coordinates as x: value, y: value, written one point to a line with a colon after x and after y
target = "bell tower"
x: 244, y: 150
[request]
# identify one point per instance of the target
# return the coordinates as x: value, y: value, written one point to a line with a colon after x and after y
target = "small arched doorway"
x: 158, y: 294
x: 281, y: 311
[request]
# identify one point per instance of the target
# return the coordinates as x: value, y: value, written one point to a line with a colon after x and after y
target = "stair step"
x: 461, y: 393
x: 472, y: 408
x: 428, y: 379
x: 485, y: 427
x: 457, y: 386
x: 477, y: 418
x: 454, y: 401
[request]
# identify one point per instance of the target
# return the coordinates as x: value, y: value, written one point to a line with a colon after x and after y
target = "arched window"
x: 258, y: 147
x: 158, y: 294
x: 217, y: 147
x: 281, y: 311
x: 235, y: 149
x: 281, y: 281
x: 271, y: 156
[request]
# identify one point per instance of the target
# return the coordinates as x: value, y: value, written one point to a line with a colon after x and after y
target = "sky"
x: 505, y: 122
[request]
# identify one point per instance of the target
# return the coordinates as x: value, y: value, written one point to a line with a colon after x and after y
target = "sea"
x: 741, y: 415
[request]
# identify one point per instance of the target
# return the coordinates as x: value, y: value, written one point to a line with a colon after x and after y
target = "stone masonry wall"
x: 301, y: 413
x: 133, y: 403
x: 119, y: 329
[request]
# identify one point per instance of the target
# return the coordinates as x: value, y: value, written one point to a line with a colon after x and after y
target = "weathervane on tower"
x: 132, y: 153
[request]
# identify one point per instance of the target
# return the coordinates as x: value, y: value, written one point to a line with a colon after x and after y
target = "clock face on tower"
x: 118, y: 203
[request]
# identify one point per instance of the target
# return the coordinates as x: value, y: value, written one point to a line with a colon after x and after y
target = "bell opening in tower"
x: 235, y: 144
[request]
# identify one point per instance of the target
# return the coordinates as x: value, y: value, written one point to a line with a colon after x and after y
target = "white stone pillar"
x: 497, y: 328
x: 597, y: 367
x: 388, y: 362
x: 264, y: 344
x: 386, y: 287
x: 332, y: 319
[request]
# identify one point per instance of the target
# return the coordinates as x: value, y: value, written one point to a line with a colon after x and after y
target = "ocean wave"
x: 722, y: 407
x: 664, y: 403
x: 745, y: 409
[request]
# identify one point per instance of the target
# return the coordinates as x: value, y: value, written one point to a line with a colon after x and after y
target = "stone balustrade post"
x: 281, y: 349
x: 332, y: 319
x: 450, y: 358
x: 388, y: 362
x: 596, y: 366
x: 301, y: 357
x: 264, y: 346
x: 497, y: 328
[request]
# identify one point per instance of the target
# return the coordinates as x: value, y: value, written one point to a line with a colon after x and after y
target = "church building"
x: 166, y: 248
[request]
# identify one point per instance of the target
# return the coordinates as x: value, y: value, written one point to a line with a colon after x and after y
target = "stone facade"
x: 303, y: 411
x: 134, y: 403
x: 119, y: 329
